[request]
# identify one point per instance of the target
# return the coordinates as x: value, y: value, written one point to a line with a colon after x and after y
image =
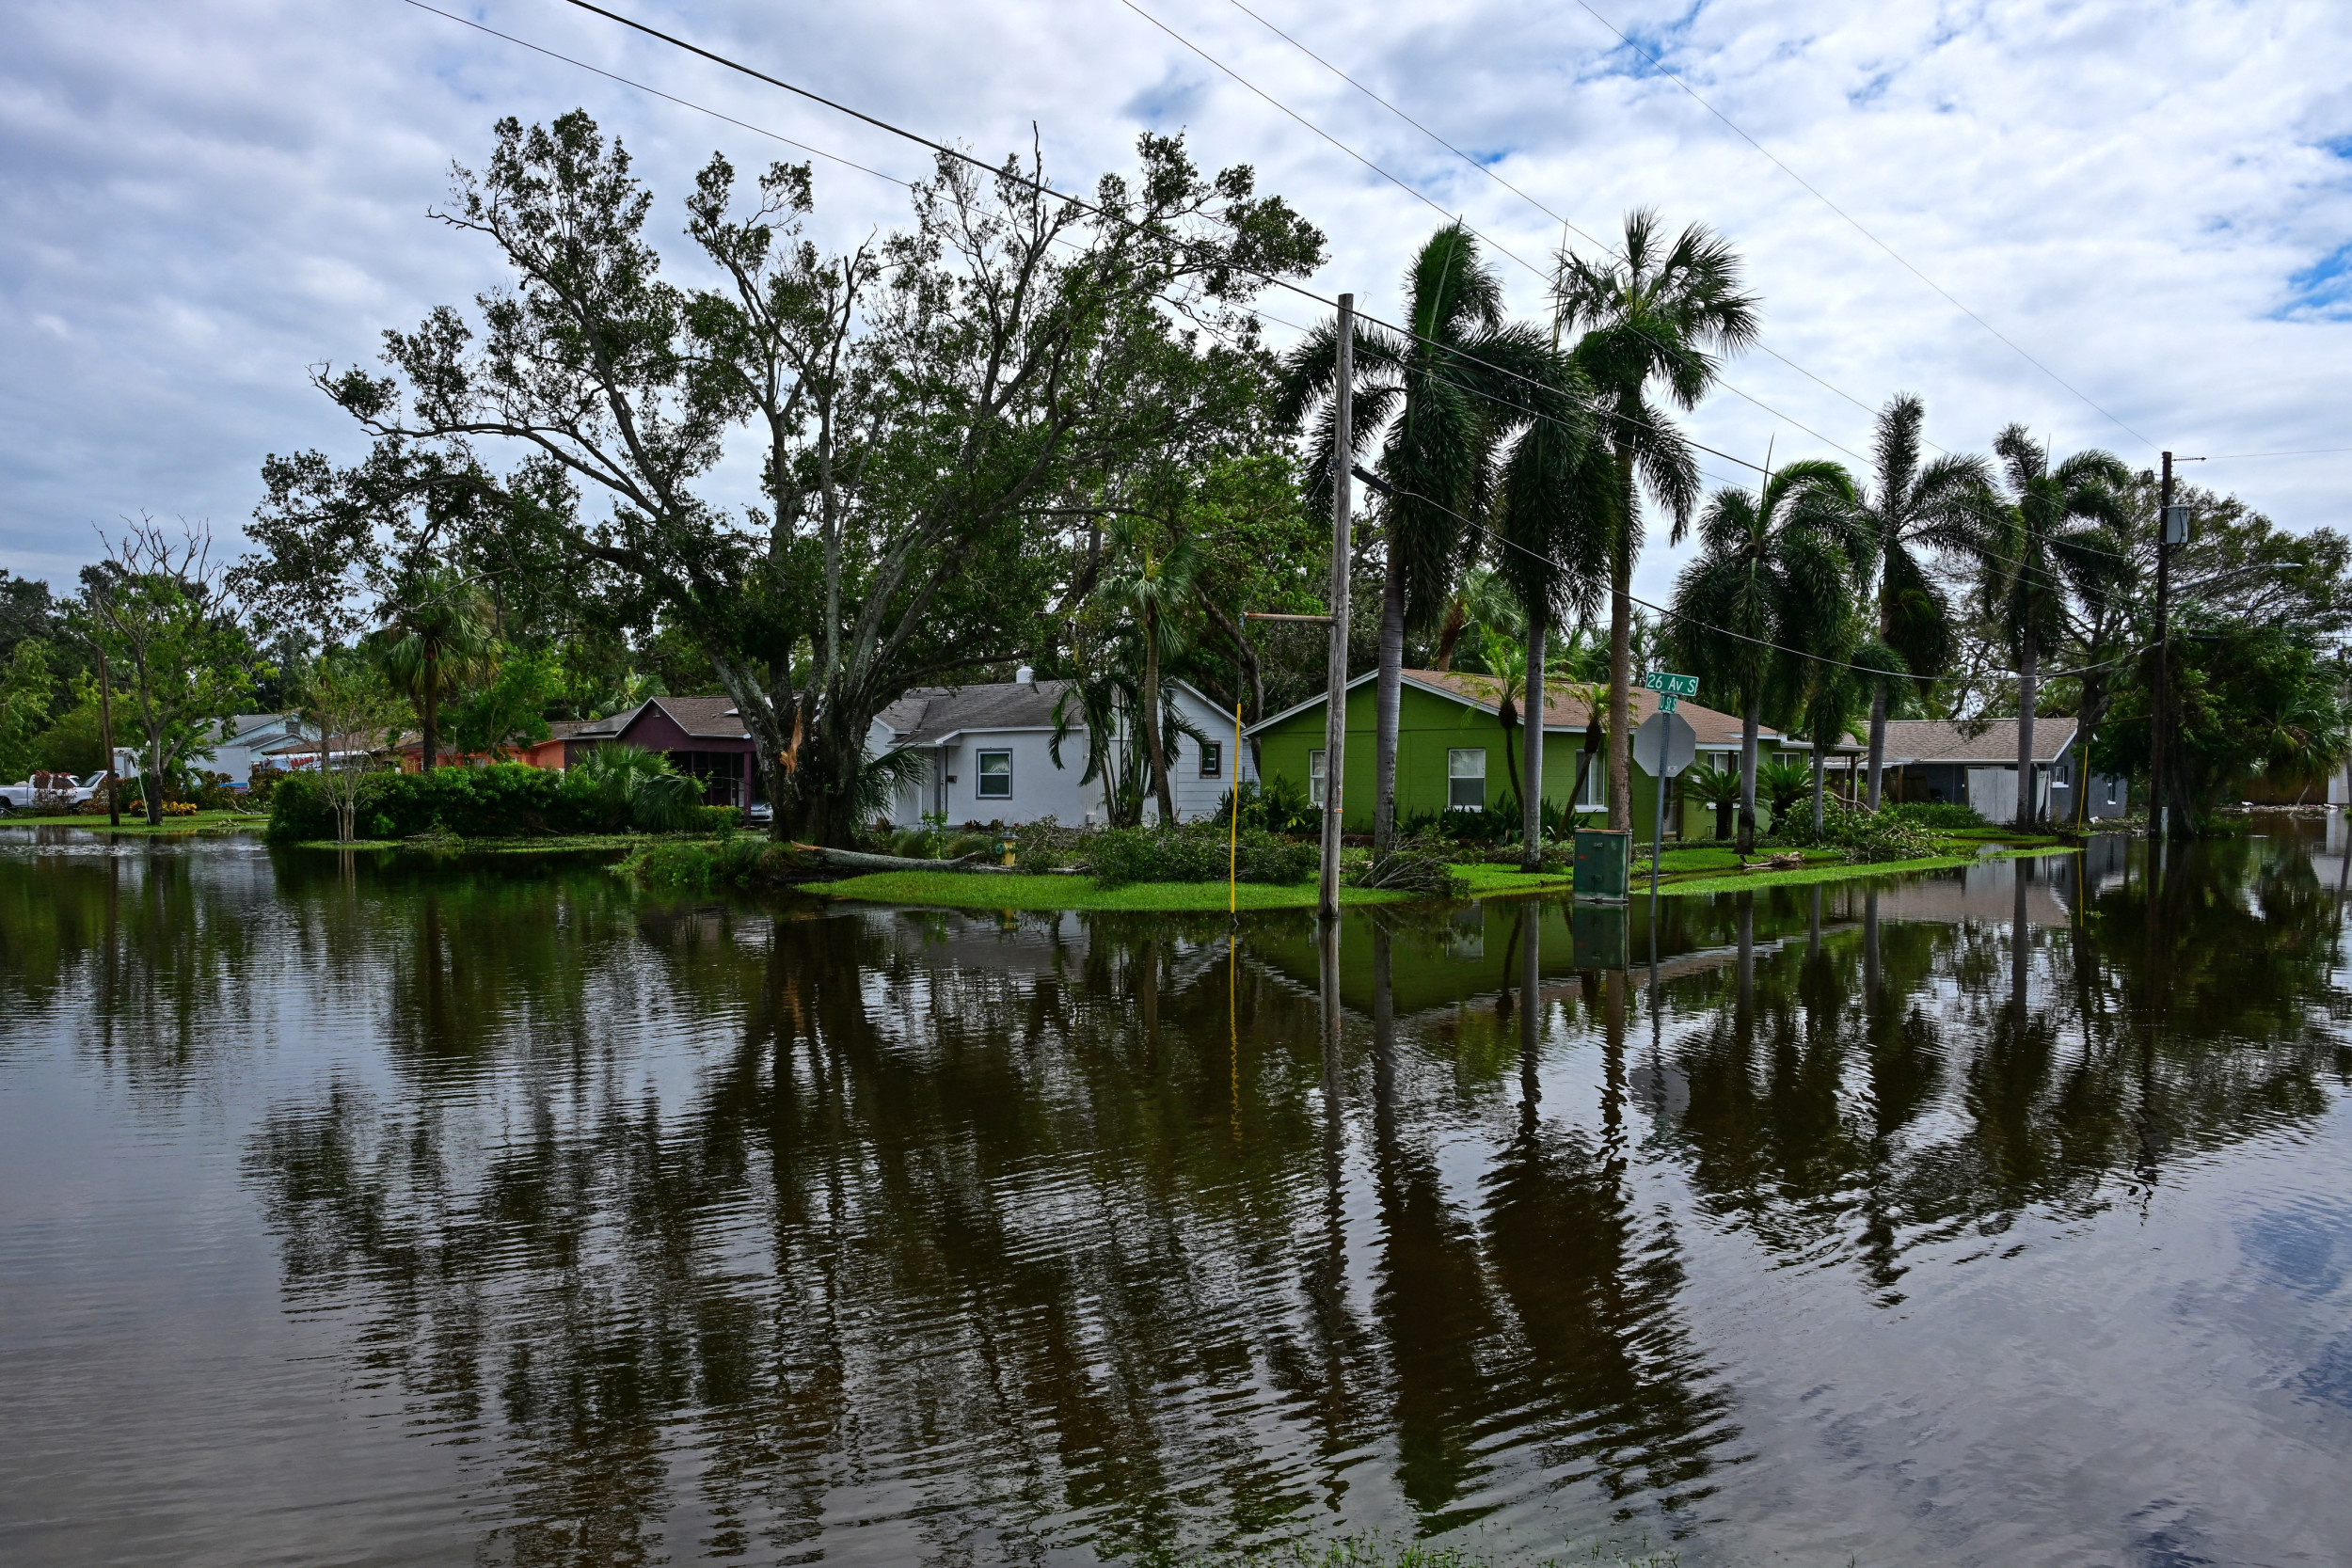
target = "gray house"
x: 1932, y: 759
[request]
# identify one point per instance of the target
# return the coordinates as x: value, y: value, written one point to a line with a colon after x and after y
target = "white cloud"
x: 2155, y: 201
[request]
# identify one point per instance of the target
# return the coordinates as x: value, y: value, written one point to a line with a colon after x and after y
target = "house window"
x: 995, y: 776
x: 1593, y: 797
x: 2112, y: 789
x: 1212, y: 760
x: 1316, y: 771
x: 1466, y: 778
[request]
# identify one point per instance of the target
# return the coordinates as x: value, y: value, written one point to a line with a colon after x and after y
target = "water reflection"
x: 721, y: 1229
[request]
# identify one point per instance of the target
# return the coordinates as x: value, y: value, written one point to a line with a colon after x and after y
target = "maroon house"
x: 702, y: 736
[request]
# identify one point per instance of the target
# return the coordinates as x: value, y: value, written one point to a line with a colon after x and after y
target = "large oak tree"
x: 937, y: 414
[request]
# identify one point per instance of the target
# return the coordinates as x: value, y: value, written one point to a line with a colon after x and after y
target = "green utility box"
x: 1598, y: 930
x: 1604, y: 862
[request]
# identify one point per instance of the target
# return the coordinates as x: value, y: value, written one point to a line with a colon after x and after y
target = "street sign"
x: 1672, y: 685
x: 1665, y: 744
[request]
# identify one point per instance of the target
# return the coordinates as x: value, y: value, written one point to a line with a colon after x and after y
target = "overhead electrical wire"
x: 1488, y: 170
x: 1040, y: 186
x: 1726, y: 631
x: 1453, y: 217
x: 1659, y: 67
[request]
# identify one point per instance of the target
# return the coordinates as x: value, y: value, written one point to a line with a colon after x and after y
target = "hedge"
x: 506, y: 800
x: 1196, y: 853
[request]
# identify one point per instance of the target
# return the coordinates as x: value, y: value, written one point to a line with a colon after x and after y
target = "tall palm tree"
x: 1444, y: 400
x: 1912, y: 507
x: 1775, y: 572
x: 2059, y: 536
x: 438, y: 637
x: 1154, y: 586
x: 1660, y: 316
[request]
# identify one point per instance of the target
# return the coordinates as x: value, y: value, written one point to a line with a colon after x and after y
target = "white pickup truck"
x: 53, y: 797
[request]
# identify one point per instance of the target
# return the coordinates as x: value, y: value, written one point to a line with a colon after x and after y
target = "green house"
x: 1450, y: 751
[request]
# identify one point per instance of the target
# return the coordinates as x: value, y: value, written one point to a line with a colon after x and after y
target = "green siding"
x: 1428, y: 726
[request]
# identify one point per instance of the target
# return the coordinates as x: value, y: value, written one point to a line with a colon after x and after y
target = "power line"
x: 1043, y: 188
x: 1660, y: 68
x: 2235, y: 456
x: 1725, y: 631
x: 1488, y: 170
x: 1453, y: 217
x: 684, y: 104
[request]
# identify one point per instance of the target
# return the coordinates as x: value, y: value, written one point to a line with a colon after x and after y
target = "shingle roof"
x: 1564, y: 710
x: 711, y: 717
x: 1939, y: 740
x: 929, y: 715
x: 708, y: 716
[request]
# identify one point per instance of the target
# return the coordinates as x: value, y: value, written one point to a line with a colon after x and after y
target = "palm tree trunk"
x: 1820, y: 753
x: 1152, y: 749
x: 1751, y: 719
x: 1621, y: 690
x: 1532, y: 791
x: 1878, y: 695
x: 2026, y: 684
x: 432, y: 748
x: 1878, y: 740
x: 1387, y: 694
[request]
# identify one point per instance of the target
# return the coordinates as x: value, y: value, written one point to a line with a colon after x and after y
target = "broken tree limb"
x: 858, y: 860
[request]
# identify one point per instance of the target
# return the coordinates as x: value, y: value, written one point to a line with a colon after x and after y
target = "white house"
x: 233, y: 747
x: 988, y: 752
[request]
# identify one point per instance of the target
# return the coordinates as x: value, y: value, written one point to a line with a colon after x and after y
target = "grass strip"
x: 1842, y: 871
x: 964, y: 891
x: 556, y: 844
x: 203, y: 821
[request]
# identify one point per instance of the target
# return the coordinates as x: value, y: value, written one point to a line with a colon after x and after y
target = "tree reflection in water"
x: 776, y: 1231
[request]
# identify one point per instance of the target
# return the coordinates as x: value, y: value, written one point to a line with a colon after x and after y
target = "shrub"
x: 1197, y: 852
x: 1782, y: 784
x: 263, y: 783
x: 1279, y: 806
x: 738, y: 860
x: 981, y: 844
x: 1934, y: 813
x: 505, y: 800
x: 1488, y: 825
x: 1046, y: 845
x: 1869, y: 836
x: 1415, y: 863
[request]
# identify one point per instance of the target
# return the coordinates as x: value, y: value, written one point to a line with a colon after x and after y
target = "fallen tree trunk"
x: 858, y: 860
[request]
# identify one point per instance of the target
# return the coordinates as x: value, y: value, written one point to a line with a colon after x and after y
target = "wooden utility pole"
x: 1335, y: 705
x: 2160, y: 721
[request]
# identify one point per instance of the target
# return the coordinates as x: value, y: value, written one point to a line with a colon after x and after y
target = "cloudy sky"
x: 199, y: 202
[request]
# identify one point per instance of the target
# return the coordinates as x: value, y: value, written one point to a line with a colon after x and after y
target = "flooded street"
x: 403, y: 1215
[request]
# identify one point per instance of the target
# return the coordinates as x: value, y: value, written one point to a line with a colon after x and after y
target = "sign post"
x: 1664, y: 746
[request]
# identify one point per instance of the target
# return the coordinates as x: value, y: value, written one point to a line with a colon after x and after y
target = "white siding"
x: 1042, y: 789
x: 1195, y: 796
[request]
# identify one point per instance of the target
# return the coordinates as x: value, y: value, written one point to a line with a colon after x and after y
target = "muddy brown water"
x: 419, y: 1213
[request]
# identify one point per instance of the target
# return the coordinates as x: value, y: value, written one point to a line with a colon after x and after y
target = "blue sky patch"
x: 2324, y: 288
x: 1170, y: 102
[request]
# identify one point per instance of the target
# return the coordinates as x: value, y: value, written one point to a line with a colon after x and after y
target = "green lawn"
x: 213, y: 821
x: 549, y: 845
x: 1685, y: 871
x: 964, y: 891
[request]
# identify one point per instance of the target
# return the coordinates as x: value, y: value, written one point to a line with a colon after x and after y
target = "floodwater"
x: 506, y: 1215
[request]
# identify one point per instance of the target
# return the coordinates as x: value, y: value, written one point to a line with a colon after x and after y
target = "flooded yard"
x: 427, y: 1213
